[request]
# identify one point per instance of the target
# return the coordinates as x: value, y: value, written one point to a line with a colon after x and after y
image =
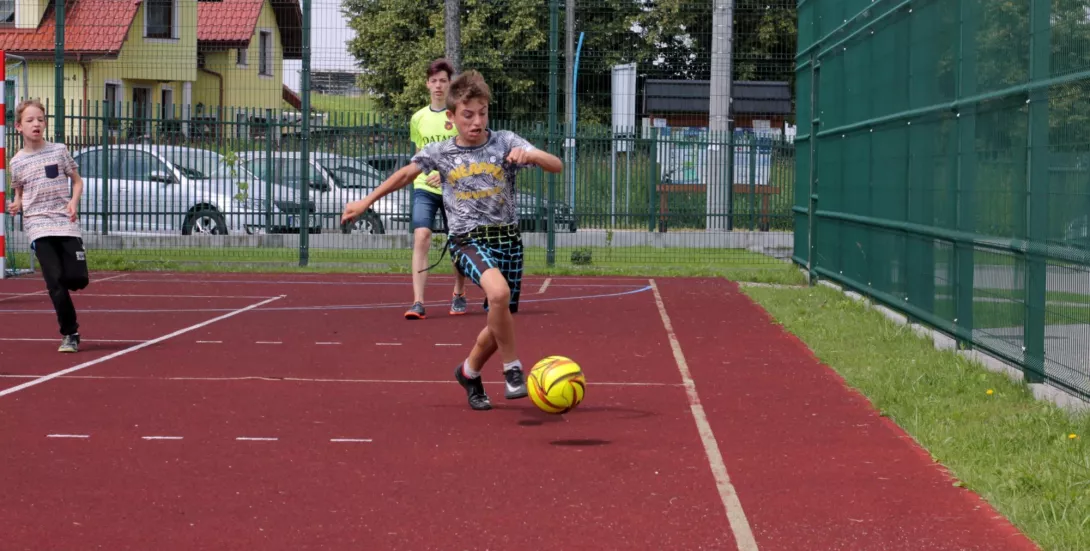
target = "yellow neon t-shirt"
x: 427, y: 127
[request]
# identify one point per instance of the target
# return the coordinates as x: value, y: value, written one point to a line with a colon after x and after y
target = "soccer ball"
x: 556, y: 384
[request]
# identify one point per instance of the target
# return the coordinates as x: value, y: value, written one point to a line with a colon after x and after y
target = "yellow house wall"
x: 244, y: 88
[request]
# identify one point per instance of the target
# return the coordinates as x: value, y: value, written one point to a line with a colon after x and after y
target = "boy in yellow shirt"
x: 429, y: 125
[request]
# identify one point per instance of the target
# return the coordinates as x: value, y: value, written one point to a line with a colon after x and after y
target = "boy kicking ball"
x: 477, y: 171
x: 39, y: 175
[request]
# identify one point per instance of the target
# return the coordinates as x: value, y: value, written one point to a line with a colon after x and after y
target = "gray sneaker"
x: 70, y: 344
x: 458, y: 305
x: 416, y: 312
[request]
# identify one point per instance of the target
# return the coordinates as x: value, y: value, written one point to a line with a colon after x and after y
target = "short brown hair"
x: 469, y: 85
x: 23, y: 107
x: 440, y: 65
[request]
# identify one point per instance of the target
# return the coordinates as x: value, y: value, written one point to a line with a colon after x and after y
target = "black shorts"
x: 488, y: 247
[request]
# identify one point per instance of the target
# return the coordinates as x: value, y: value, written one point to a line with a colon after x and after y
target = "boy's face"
x: 471, y: 119
x: 438, y: 85
x: 32, y: 124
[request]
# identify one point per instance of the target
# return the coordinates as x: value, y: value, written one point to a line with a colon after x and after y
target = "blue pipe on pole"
x: 574, y: 98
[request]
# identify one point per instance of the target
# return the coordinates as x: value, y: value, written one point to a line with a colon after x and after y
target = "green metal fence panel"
x: 947, y: 166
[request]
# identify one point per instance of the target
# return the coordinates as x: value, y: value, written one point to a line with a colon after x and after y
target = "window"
x: 9, y: 101
x: 112, y: 106
x: 264, y: 63
x: 7, y: 13
x: 242, y: 57
x: 90, y: 164
x: 139, y: 166
x: 159, y: 19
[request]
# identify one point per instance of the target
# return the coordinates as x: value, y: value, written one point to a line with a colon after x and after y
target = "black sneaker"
x: 416, y: 312
x: 70, y: 344
x: 474, y: 389
x: 516, y: 385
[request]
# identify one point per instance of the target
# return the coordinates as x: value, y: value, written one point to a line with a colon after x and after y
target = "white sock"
x: 512, y: 365
x: 469, y: 373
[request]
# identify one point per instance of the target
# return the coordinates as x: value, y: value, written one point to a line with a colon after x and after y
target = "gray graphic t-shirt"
x: 478, y: 182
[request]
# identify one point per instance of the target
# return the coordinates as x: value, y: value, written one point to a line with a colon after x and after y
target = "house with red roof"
x: 153, y: 60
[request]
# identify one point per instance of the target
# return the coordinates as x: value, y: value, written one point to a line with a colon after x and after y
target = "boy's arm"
x: 403, y: 177
x: 547, y: 161
x: 16, y: 204
x: 77, y: 192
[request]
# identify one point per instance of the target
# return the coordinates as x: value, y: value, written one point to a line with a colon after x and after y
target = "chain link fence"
x: 945, y: 162
x: 234, y: 131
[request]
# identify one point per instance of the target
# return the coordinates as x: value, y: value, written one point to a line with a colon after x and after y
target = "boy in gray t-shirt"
x: 477, y: 171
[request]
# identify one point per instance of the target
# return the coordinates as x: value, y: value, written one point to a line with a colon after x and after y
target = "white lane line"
x: 544, y: 286
x: 20, y: 295
x: 448, y: 344
x: 110, y: 295
x: 20, y: 339
x: 326, y: 343
x: 209, y: 342
x: 349, y: 439
x: 68, y: 436
x: 269, y: 342
x: 387, y: 344
x: 134, y: 348
x: 161, y: 437
x: 256, y: 439
x: 317, y: 380
x: 743, y: 533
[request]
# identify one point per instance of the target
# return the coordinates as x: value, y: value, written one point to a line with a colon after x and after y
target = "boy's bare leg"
x: 501, y: 324
x: 483, y: 349
x: 421, y: 245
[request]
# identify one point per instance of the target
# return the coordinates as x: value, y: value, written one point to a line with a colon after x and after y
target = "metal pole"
x: 453, y: 31
x: 554, y: 16
x: 304, y: 143
x: 719, y: 184
x: 569, y: 96
x: 58, y: 76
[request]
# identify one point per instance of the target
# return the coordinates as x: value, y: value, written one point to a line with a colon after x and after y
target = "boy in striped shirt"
x: 39, y: 175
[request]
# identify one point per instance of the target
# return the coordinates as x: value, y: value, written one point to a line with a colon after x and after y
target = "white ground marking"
x: 326, y: 343
x: 312, y: 380
x: 21, y: 339
x: 269, y: 342
x: 743, y: 533
x: 448, y: 344
x: 349, y: 439
x: 256, y: 439
x: 134, y: 348
x: 544, y: 285
x: 161, y: 437
x: 68, y: 436
x: 209, y: 342
x: 17, y: 295
x: 387, y: 344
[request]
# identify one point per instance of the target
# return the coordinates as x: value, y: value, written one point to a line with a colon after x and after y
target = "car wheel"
x: 204, y: 221
x: 369, y: 223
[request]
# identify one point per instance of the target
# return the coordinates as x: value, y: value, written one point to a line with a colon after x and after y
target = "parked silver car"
x: 157, y: 189
x: 334, y: 180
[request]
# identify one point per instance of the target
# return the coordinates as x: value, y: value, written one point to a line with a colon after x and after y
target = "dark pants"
x: 64, y: 266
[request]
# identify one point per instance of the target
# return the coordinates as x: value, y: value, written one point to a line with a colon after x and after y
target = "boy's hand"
x: 353, y: 210
x: 15, y: 206
x: 433, y: 180
x: 73, y: 209
x: 520, y: 156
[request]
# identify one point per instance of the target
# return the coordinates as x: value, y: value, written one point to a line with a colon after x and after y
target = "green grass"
x: 1008, y: 447
x: 734, y: 264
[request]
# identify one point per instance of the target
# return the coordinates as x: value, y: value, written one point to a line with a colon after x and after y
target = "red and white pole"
x: 3, y: 165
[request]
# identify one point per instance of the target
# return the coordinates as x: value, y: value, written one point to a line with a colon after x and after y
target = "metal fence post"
x: 554, y: 31
x: 965, y: 275
x: 1038, y: 192
x: 304, y: 147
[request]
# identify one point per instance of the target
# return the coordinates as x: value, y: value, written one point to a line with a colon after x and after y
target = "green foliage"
x: 508, y: 41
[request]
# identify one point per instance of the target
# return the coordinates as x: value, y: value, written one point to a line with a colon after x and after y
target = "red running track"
x: 355, y: 436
